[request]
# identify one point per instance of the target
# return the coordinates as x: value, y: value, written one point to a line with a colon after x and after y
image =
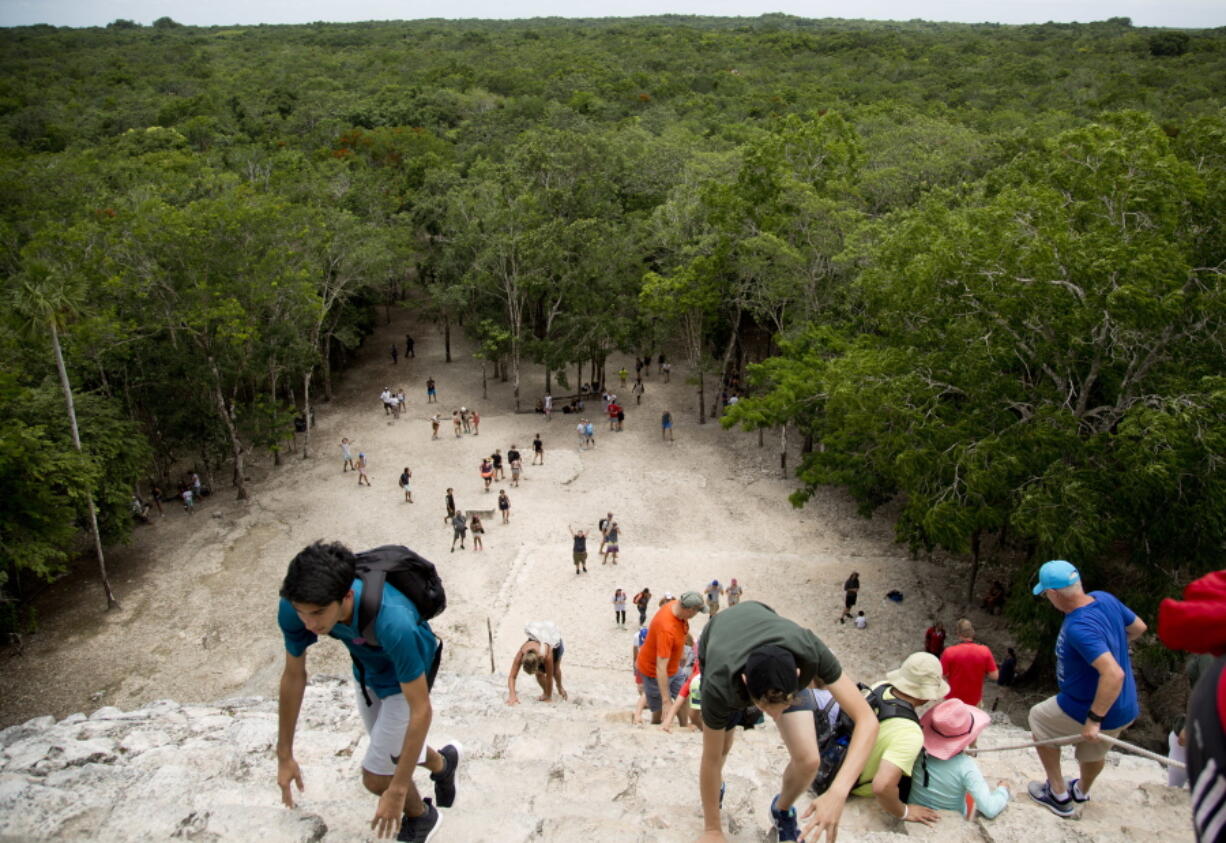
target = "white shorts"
x: 386, y: 722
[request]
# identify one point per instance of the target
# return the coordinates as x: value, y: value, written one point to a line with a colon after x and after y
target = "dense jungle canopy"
x: 977, y: 269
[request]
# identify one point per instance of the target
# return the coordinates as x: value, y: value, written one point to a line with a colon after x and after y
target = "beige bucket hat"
x: 920, y: 676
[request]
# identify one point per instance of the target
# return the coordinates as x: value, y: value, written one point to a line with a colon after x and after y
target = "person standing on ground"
x: 851, y: 592
x: 666, y: 426
x: 589, y: 433
x: 667, y: 369
x: 476, y: 418
x: 189, y: 502
x: 541, y: 657
x: 155, y: 492
x: 548, y: 407
x: 966, y: 663
x: 642, y: 601
x: 638, y: 389
x: 478, y: 530
x: 517, y: 464
x: 459, y: 530
x: 619, y: 607
x: 431, y: 392
x: 466, y: 420
x: 346, y: 457
x: 319, y: 596
x: 934, y: 639
x: 487, y: 472
x: 496, y: 459
x: 611, y: 542
x: 408, y: 346
x: 659, y: 661
x: 401, y: 400
x: 504, y: 506
x: 622, y: 374
x: 449, y: 500
x: 1008, y: 668
x: 581, y: 432
x: 638, y: 368
x: 712, y: 593
x: 538, y: 451
x: 621, y: 418
x: 603, y: 526
x: 435, y: 421
x: 406, y: 477
x: 362, y: 478
x: 457, y: 423
x: 1098, y: 694
x: 395, y: 354
x: 579, y: 553
x: 733, y: 593
x: 752, y: 656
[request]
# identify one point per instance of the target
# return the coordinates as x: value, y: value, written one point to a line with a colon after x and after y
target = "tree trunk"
x: 515, y: 369
x: 485, y: 392
x: 306, y: 412
x: 111, y: 602
x: 702, y: 397
x: 970, y: 586
x: 236, y: 444
x: 276, y: 447
x: 327, y: 362
x: 447, y: 337
x: 761, y: 437
x: 548, y: 379
x: 783, y: 450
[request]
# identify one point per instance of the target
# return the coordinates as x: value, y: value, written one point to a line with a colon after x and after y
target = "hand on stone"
x: 287, y: 772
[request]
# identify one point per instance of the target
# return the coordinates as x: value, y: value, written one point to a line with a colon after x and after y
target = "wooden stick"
x: 490, y: 631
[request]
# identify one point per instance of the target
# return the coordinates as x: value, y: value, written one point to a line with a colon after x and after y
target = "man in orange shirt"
x: 659, y: 659
x: 966, y: 663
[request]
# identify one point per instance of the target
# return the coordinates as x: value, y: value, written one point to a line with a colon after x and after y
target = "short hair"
x: 532, y: 662
x: 320, y: 574
x: 965, y: 628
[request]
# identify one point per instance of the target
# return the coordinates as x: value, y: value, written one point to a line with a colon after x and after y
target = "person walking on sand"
x: 638, y: 389
x: 504, y: 506
x: 851, y: 592
x: 408, y: 346
x: 395, y: 354
x: 619, y: 607
x: 603, y: 526
x: 457, y: 423
x: 538, y: 451
x: 581, y: 433
x: 666, y: 426
x: 320, y: 596
x: 934, y: 639
x: 1098, y: 693
x: 712, y: 593
x: 459, y: 530
x: 579, y: 551
x: 496, y: 459
x: 642, y: 601
x: 622, y: 374
x: 431, y: 392
x: 548, y: 407
x: 466, y: 420
x: 476, y: 420
x: 346, y: 457
x: 449, y: 501
x: 406, y: 477
x: 487, y: 473
x: 589, y: 433
x: 667, y: 369
x: 478, y: 530
x: 541, y: 657
x: 966, y: 663
x: 435, y: 421
x: 189, y: 501
x: 517, y: 464
x: 362, y: 478
x: 611, y: 542
x: 733, y: 592
x: 752, y: 656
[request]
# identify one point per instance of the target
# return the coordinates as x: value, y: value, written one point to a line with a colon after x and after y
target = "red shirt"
x: 665, y: 640
x: 964, y: 665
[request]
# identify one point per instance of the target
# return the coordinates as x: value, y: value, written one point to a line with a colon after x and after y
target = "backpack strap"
x: 372, y: 598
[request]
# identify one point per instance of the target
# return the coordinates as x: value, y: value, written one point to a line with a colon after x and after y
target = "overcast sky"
x: 1177, y: 13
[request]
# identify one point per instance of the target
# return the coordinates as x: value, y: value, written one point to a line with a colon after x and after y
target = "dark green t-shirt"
x: 732, y: 635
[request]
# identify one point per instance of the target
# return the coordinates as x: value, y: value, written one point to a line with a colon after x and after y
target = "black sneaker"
x: 444, y: 782
x: 1074, y: 790
x: 1041, y: 792
x: 420, y: 829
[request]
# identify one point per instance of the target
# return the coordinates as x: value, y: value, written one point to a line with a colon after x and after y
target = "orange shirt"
x: 665, y: 639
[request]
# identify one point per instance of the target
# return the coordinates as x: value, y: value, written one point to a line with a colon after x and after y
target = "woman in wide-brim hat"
x: 950, y: 780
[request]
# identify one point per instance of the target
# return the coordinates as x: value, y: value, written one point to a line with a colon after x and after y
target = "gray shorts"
x: 386, y: 722
x: 1048, y: 720
x: 652, y: 689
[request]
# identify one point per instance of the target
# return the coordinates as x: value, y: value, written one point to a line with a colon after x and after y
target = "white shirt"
x: 861, y: 622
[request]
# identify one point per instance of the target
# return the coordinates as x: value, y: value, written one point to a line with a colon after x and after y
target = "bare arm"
x: 824, y: 813
x: 289, y: 704
x: 885, y: 788
x: 1136, y: 629
x: 512, y: 696
x: 662, y: 681
x: 1110, y: 683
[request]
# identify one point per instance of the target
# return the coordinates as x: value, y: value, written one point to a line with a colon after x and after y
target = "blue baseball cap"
x: 1056, y: 574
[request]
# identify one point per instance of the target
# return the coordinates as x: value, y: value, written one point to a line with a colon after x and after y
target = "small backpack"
x: 832, y: 740
x: 411, y: 575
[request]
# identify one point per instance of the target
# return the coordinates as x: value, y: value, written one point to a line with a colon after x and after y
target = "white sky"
x: 1180, y: 13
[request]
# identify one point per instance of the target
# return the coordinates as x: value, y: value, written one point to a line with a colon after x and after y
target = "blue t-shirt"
x: 407, y: 643
x: 1085, y: 635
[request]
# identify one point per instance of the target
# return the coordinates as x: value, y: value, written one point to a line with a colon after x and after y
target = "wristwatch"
x: 1093, y: 718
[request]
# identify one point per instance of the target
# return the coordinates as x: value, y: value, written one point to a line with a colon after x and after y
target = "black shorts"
x: 850, y: 599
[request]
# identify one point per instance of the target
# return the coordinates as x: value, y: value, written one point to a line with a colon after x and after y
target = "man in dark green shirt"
x: 752, y: 656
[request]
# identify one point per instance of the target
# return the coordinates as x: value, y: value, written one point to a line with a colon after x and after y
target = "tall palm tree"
x: 45, y: 301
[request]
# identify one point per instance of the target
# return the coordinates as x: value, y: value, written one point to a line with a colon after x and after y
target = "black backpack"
x: 832, y: 740
x: 411, y: 575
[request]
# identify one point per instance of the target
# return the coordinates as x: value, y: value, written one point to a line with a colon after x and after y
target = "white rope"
x: 1124, y: 745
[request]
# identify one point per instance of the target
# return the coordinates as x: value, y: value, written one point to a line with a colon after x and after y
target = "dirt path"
x: 199, y: 592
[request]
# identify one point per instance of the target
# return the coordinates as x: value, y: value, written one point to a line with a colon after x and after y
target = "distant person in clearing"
x: 478, y: 530
x: 612, y: 537
x: 733, y: 592
x: 406, y: 477
x: 395, y: 354
x: 579, y: 553
x: 431, y: 392
x: 642, y: 601
x: 346, y: 456
x: 487, y: 473
x: 449, y: 502
x: 435, y: 421
x: 476, y: 420
x: 540, y: 657
x: 517, y: 464
x: 362, y: 478
x: 851, y: 592
x: 666, y: 425
x: 319, y: 596
x: 751, y: 656
x: 459, y: 530
x: 861, y: 622
x: 504, y: 506
x: 619, y: 607
x: 457, y: 423
x: 538, y: 451
x: 712, y: 592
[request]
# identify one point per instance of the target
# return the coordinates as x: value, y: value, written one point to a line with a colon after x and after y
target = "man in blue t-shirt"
x: 320, y: 596
x: 1098, y: 694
